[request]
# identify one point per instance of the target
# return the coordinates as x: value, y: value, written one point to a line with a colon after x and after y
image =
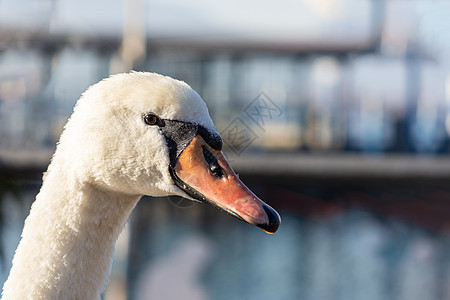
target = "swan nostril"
x: 214, y: 166
x: 216, y: 170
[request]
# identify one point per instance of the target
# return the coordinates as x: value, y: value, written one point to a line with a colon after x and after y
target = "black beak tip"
x: 274, y: 220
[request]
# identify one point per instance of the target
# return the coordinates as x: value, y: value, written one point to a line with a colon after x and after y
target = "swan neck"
x: 68, y: 241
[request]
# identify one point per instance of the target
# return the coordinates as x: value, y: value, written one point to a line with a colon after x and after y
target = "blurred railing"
x: 369, y: 103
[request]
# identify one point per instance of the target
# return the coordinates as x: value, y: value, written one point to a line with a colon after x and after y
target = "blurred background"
x: 336, y: 112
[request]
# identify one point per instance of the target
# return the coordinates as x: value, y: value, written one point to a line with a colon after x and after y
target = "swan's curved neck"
x: 68, y: 241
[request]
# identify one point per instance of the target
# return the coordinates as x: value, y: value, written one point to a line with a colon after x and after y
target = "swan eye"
x: 152, y: 119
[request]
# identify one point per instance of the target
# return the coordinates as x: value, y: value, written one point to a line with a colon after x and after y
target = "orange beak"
x: 205, y: 174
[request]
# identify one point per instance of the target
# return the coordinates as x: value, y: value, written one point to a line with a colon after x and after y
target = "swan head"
x: 147, y: 134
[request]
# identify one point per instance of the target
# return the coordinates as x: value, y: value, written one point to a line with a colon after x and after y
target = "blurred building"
x: 338, y: 112
x: 371, y: 63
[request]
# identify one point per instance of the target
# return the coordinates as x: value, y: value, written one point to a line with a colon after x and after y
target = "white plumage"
x: 107, y: 158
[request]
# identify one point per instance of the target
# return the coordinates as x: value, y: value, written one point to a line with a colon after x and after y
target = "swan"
x: 130, y: 135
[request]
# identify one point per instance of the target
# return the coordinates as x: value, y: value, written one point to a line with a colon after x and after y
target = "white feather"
x: 107, y: 158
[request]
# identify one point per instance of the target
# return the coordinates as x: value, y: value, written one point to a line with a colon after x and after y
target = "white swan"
x: 130, y: 135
